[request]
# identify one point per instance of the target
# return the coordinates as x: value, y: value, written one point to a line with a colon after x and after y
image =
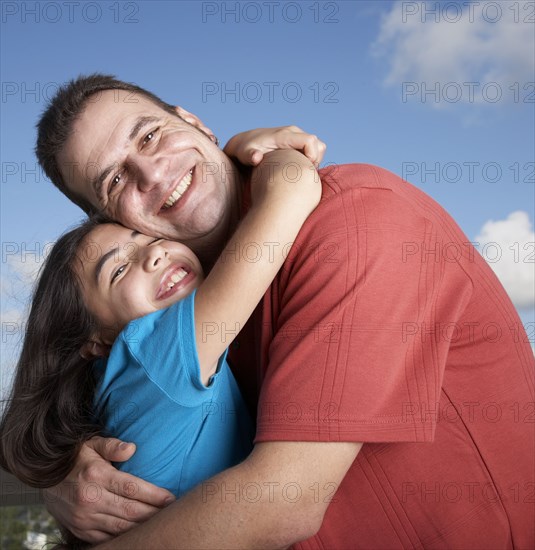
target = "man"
x: 393, y: 377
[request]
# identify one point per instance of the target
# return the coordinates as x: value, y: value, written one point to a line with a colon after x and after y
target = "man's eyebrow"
x: 108, y: 255
x: 139, y: 124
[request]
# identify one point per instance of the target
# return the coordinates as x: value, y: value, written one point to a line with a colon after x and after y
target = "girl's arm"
x: 285, y: 189
x: 251, y: 146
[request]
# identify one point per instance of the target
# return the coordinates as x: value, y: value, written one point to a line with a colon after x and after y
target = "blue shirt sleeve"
x: 163, y: 344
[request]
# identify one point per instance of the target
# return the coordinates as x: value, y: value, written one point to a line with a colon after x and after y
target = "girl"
x: 122, y: 337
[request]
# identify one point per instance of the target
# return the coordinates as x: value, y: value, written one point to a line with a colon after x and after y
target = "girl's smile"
x: 125, y: 275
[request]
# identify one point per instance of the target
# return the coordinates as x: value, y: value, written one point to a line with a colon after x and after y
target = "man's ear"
x: 93, y: 350
x: 194, y: 120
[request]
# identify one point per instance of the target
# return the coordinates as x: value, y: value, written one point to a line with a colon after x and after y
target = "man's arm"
x: 276, y: 497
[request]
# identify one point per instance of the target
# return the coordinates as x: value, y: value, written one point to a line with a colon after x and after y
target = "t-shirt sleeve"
x: 352, y: 349
x: 163, y: 344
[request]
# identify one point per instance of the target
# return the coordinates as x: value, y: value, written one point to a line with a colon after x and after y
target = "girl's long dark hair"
x: 49, y: 412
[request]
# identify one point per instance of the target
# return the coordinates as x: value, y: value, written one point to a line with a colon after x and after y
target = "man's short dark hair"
x: 55, y: 124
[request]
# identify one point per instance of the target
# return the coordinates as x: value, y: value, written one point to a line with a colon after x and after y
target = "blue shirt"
x: 149, y: 391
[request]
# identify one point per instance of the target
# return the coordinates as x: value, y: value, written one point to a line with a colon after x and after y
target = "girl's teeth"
x: 179, y: 275
x: 176, y: 277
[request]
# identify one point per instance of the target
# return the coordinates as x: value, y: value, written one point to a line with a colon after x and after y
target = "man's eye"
x: 118, y: 272
x: 115, y: 181
x: 149, y: 136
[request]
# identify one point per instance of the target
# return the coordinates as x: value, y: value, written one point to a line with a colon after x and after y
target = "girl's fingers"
x: 256, y: 156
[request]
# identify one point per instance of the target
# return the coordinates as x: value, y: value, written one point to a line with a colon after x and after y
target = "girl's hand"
x: 250, y: 147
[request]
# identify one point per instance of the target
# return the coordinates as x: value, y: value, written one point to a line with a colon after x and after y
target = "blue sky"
x: 440, y: 92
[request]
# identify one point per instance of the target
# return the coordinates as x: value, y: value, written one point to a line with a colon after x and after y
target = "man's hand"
x: 250, y: 147
x: 96, y: 501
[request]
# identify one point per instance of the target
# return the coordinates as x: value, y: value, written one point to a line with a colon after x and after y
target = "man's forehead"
x: 105, y: 112
x: 120, y: 99
x: 101, y: 129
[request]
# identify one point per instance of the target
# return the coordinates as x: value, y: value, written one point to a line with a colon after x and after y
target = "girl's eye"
x: 118, y: 272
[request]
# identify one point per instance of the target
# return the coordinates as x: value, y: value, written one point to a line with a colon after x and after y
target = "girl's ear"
x: 93, y: 350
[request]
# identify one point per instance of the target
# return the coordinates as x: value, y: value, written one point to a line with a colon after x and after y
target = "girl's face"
x: 126, y: 275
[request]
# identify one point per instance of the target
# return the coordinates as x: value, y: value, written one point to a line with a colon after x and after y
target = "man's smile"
x: 179, y: 190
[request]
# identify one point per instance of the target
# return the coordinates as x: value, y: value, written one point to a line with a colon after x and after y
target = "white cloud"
x: 7, y: 371
x: 12, y: 325
x: 19, y: 273
x: 462, y: 47
x: 509, y: 247
x: 12, y: 316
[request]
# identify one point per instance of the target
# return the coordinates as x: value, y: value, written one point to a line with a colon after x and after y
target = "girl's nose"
x: 154, y: 256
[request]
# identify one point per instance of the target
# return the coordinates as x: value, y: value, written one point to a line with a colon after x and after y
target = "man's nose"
x: 154, y: 257
x: 150, y: 171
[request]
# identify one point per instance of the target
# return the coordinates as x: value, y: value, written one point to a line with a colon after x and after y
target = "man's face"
x: 148, y: 169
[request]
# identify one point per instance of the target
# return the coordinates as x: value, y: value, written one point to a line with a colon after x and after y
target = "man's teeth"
x: 176, y: 277
x: 179, y: 190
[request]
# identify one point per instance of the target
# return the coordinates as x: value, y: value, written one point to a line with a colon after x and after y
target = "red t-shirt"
x: 385, y: 326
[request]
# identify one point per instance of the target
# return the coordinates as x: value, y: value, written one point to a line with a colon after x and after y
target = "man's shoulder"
x: 368, y: 189
x: 338, y: 178
x: 364, y: 197
x: 379, y: 192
